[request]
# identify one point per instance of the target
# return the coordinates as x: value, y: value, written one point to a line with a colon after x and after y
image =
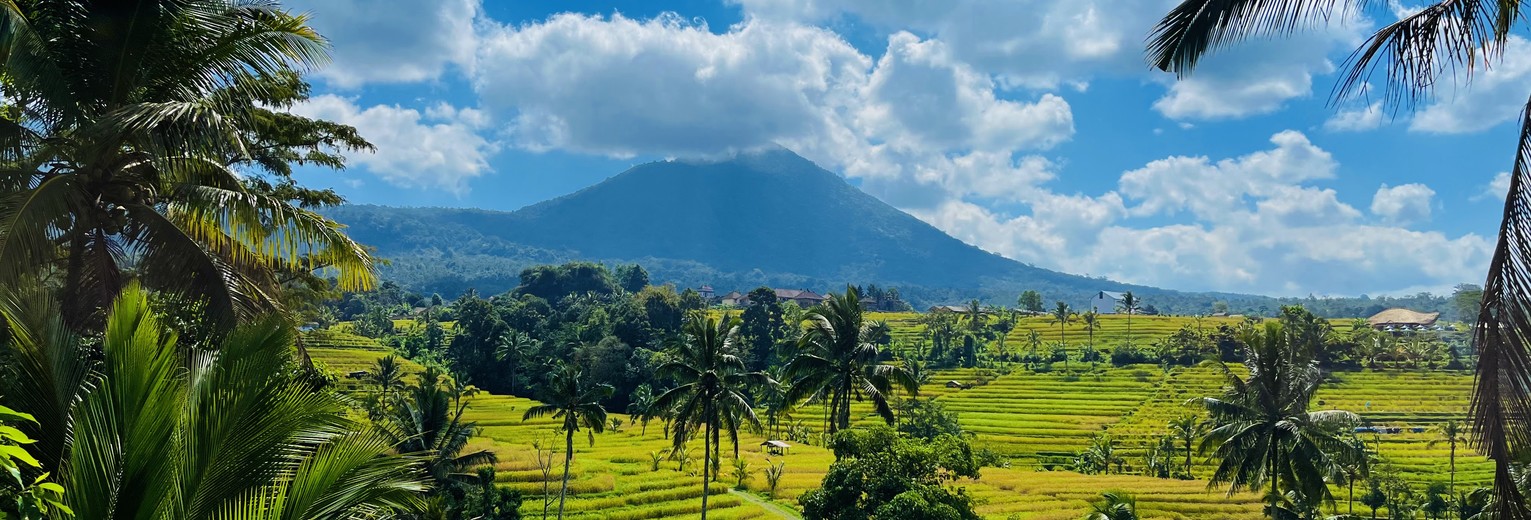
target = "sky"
x: 1030, y: 128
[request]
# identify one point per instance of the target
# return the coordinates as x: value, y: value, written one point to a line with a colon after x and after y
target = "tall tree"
x: 513, y: 349
x: 1262, y: 429
x: 1130, y: 305
x: 146, y: 428
x: 1413, y: 53
x: 428, y: 422
x: 712, y: 388
x: 761, y: 328
x: 632, y: 278
x: 1062, y: 315
x: 1451, y: 433
x: 836, y: 363
x: 1188, y: 429
x: 1030, y: 301
x: 577, y: 402
x: 115, y: 150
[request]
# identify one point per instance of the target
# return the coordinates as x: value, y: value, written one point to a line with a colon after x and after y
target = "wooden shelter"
x: 775, y: 447
x: 1400, y: 317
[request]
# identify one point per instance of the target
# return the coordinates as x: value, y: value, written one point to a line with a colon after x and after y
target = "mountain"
x: 762, y: 218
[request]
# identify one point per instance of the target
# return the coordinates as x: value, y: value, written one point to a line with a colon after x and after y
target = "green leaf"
x: 9, y: 415
x: 14, y: 435
x: 16, y: 452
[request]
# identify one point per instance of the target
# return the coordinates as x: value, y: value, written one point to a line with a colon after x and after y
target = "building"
x: 1400, y: 318
x: 803, y: 297
x: 706, y: 293
x: 1105, y: 302
x: 733, y: 298
x: 941, y: 309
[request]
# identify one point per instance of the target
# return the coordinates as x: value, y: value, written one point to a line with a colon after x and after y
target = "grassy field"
x: 1037, y: 420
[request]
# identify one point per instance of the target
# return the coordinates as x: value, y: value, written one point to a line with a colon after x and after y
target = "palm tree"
x: 835, y: 361
x: 1114, y: 505
x: 1262, y: 430
x: 1353, y: 469
x: 1188, y: 428
x: 1451, y: 433
x: 641, y: 408
x: 711, y: 394
x: 208, y: 431
x: 514, y: 346
x: 1129, y: 305
x: 428, y: 422
x: 388, y: 376
x: 1091, y: 321
x: 128, y: 124
x: 1413, y: 53
x: 576, y: 401
x: 1062, y: 315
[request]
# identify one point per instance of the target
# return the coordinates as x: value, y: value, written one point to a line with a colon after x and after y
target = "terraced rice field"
x: 1037, y: 420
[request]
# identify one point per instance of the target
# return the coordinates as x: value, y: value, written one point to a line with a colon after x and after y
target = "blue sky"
x: 1031, y: 128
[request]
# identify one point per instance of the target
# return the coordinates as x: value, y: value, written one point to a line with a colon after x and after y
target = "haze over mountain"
x: 760, y: 218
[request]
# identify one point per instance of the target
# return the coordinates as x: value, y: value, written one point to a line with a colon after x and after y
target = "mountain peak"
x: 760, y: 217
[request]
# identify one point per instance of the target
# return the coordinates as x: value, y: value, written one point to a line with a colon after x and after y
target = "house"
x: 957, y: 384
x: 1105, y: 302
x: 1398, y: 317
x: 942, y: 309
x: 735, y: 299
x: 803, y: 297
x: 706, y: 293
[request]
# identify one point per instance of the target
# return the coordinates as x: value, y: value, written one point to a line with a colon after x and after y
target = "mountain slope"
x: 761, y: 218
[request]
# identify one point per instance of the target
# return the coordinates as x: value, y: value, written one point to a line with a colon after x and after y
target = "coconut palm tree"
x: 836, y: 362
x: 712, y: 388
x: 1114, y: 505
x: 1413, y: 53
x: 641, y: 408
x: 1130, y: 305
x: 118, y: 159
x: 514, y: 347
x: 427, y: 421
x: 1091, y: 321
x: 1062, y: 315
x: 1262, y: 430
x: 164, y: 430
x: 1188, y: 428
x: 1451, y: 433
x: 577, y: 402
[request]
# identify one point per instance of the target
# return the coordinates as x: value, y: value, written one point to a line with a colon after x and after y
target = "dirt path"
x: 765, y: 504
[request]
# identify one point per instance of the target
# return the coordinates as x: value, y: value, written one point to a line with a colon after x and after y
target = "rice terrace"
x: 765, y: 259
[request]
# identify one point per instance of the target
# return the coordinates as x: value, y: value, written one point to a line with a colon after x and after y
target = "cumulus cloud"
x: 392, y: 41
x: 1403, y: 203
x: 620, y: 86
x: 1257, y: 223
x: 1497, y: 188
x: 916, y: 124
x: 1496, y: 95
x: 439, y: 149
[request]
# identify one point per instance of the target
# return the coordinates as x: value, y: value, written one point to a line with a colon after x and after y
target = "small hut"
x: 775, y: 447
x: 956, y: 384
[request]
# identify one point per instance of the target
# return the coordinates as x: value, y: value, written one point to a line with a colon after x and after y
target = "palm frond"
x: 1501, y: 402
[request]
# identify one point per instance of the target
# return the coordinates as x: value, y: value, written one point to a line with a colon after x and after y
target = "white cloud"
x: 1404, y: 203
x: 1497, y: 188
x: 619, y: 86
x: 917, y: 125
x: 1496, y: 95
x: 1356, y: 119
x: 392, y: 41
x: 1212, y: 190
x: 1253, y: 78
x: 1252, y: 223
x: 437, y: 150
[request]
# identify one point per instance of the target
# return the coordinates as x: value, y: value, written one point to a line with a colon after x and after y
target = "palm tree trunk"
x: 1351, y: 504
x: 1271, y: 474
x: 1188, y: 457
x: 563, y: 492
x: 706, y: 467
x: 1451, y: 489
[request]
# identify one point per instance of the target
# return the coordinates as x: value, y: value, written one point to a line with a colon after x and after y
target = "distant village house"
x: 802, y: 297
x: 1105, y: 302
